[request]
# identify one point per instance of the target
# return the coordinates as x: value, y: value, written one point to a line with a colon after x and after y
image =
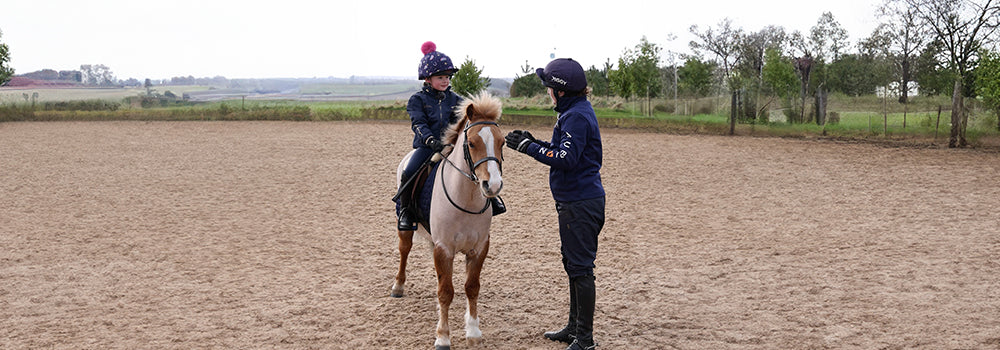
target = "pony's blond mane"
x: 485, y: 107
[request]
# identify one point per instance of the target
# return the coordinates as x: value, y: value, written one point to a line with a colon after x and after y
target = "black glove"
x: 518, y: 140
x: 434, y: 144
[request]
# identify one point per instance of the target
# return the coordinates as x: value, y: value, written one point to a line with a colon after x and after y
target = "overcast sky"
x: 302, y: 39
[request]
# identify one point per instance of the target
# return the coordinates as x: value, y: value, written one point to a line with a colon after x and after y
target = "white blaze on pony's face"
x: 494, y: 147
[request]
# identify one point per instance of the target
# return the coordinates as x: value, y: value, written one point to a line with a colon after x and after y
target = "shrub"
x: 832, y: 118
x: 664, y: 107
x: 81, y: 105
x: 703, y: 106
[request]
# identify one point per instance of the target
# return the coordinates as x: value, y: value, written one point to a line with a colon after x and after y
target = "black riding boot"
x: 568, y: 333
x: 406, y: 221
x: 498, y: 206
x: 586, y: 292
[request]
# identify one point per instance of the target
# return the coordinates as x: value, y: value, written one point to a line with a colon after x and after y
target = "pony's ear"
x: 470, y: 111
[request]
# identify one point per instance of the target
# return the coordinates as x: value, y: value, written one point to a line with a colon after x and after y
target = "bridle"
x: 471, y: 175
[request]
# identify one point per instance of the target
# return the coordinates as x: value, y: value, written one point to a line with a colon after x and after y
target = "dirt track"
x: 182, y: 235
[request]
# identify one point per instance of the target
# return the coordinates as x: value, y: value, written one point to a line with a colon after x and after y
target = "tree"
x: 857, y: 74
x: 825, y: 42
x: 672, y: 57
x: 468, y: 80
x: 778, y: 74
x: 904, y: 38
x: 962, y: 27
x: 6, y: 72
x: 598, y: 80
x: 638, y: 73
x: 724, y: 45
x: 875, y: 65
x: 97, y: 75
x: 931, y: 74
x: 619, y: 80
x: 988, y: 81
x: 528, y: 84
x: 749, y: 70
x: 804, y: 67
x: 694, y: 78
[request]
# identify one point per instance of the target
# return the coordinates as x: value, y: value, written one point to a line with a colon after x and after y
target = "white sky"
x: 302, y: 39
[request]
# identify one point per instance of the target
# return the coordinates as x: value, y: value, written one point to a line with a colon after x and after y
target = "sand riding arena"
x: 280, y: 235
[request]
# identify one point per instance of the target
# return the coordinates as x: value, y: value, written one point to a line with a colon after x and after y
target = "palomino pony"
x: 459, y: 211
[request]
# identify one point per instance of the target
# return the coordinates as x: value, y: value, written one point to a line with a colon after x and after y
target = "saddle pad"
x: 423, y: 199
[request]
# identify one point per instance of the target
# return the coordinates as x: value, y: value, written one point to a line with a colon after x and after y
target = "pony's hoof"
x: 397, y: 291
x: 474, y: 341
x: 442, y: 347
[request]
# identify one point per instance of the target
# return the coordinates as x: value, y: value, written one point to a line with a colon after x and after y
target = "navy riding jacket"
x: 430, y: 113
x: 575, y: 154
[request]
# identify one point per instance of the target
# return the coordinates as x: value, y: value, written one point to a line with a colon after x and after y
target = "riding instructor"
x: 574, y: 156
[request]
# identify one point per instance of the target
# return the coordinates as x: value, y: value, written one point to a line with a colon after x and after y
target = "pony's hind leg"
x: 405, y: 243
x: 473, y: 266
x: 443, y: 260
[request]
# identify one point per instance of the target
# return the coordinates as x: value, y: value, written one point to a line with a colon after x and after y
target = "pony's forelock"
x: 487, y: 107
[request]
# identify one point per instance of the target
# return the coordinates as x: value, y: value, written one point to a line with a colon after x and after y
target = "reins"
x: 471, y: 175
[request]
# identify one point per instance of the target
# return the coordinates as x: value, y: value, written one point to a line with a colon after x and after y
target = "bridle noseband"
x: 471, y: 175
x: 468, y: 156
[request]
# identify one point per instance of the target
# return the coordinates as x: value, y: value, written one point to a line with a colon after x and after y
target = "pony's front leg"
x: 473, y: 266
x: 405, y: 243
x: 443, y: 259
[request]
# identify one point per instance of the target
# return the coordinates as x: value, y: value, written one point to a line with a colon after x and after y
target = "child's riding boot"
x: 406, y: 220
x: 498, y: 206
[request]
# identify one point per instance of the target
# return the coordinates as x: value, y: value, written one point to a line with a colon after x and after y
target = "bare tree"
x: 825, y: 42
x: 963, y: 26
x: 823, y: 45
x: 723, y: 44
x: 906, y: 37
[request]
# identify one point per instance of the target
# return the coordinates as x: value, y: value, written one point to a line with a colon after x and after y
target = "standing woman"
x: 574, y: 156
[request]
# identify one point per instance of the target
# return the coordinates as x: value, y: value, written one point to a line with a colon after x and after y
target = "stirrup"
x: 577, y: 345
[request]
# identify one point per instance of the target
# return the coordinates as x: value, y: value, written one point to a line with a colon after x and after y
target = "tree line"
x: 935, y: 47
x: 931, y: 46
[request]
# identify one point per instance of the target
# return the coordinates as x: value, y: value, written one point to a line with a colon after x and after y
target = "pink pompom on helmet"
x: 434, y: 62
x: 428, y: 47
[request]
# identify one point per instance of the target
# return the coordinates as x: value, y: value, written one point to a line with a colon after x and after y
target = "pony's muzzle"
x: 491, y: 188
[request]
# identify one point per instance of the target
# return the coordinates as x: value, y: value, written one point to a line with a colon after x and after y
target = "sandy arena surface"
x: 244, y: 235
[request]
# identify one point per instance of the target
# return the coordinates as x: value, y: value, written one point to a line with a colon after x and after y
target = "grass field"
x: 360, y: 89
x: 10, y: 95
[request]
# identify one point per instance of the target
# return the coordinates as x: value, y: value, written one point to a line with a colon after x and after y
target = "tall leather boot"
x: 586, y: 294
x: 568, y: 333
x: 406, y: 220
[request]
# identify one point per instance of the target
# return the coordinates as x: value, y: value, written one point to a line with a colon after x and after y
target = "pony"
x: 459, y: 222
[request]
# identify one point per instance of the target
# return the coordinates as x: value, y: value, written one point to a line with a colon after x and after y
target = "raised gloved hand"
x: 434, y: 144
x: 518, y: 140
